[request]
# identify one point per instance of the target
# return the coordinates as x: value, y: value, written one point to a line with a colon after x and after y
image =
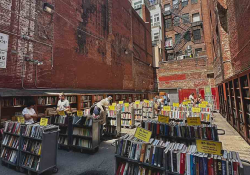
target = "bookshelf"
x: 148, y: 110
x: 85, y: 102
x: 138, y: 115
x: 113, y: 124
x: 127, y: 116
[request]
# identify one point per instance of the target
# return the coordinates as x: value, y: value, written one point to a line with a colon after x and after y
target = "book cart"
x: 127, y: 116
x: 113, y: 122
x: 33, y: 150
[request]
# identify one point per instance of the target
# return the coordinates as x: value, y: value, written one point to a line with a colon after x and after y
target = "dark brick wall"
x: 94, y: 45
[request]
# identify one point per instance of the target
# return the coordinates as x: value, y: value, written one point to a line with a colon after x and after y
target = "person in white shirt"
x: 191, y: 98
x: 63, y: 104
x: 29, y: 113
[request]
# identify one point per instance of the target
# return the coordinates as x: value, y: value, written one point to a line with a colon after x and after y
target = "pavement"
x: 103, y: 161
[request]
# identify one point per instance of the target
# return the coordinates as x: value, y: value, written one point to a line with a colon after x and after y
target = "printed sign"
x: 3, y: 59
x: 120, y: 102
x: 176, y: 105
x: 4, y: 40
x: 126, y: 104
x: 44, y: 122
x: 196, y: 110
x: 208, y: 117
x: 21, y: 120
x: 137, y: 102
x: 146, y: 101
x: 193, y: 121
x: 202, y: 105
x: 112, y: 108
x: 143, y: 134
x: 185, y: 103
x: 113, y: 104
x: 163, y: 119
x: 209, y: 147
x: 166, y: 108
x: 61, y: 113
x: 79, y: 113
x: 204, y: 102
x: 208, y: 91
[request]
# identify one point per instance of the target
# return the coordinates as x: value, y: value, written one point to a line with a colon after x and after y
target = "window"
x: 156, y: 20
x: 185, y: 18
x: 177, y: 38
x: 156, y: 36
x: 184, y: 3
x: 187, y: 36
x: 168, y: 23
x: 176, y: 21
x: 169, y: 42
x: 138, y: 4
x: 194, y: 1
x: 197, y: 34
x: 151, y: 18
x: 176, y: 4
x: 170, y: 56
x: 196, y: 17
x: 167, y: 7
x: 197, y: 51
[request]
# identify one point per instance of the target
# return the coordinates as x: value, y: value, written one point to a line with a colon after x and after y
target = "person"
x: 29, y: 113
x: 199, y: 99
x: 63, y: 104
x: 99, y: 108
x: 191, y: 98
x: 166, y: 99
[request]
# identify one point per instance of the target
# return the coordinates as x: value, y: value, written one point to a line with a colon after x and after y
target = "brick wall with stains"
x: 94, y: 45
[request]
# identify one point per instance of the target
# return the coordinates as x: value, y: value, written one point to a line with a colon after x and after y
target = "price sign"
x: 79, y: 113
x: 143, y: 134
x: 120, y: 102
x: 176, y: 105
x: 185, y: 103
x: 163, y: 119
x: 44, y: 122
x: 146, y: 101
x: 166, y: 108
x: 193, y: 121
x: 112, y: 108
x: 202, y: 105
x: 208, y: 117
x: 137, y: 102
x: 204, y: 102
x: 61, y: 113
x: 113, y: 104
x: 126, y: 104
x: 21, y: 120
x: 196, y: 110
x: 188, y: 101
x: 209, y: 147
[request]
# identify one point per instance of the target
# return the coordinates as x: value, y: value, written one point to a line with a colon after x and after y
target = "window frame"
x: 196, y: 34
x: 194, y: 15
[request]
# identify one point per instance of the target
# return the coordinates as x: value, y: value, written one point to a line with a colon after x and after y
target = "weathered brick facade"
x: 87, y: 44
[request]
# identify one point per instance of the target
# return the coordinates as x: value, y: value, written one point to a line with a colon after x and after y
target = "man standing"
x: 63, y: 104
x: 191, y: 98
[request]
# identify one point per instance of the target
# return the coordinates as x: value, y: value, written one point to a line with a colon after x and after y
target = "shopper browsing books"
x: 191, y: 98
x: 29, y: 113
x: 63, y: 104
x: 99, y: 108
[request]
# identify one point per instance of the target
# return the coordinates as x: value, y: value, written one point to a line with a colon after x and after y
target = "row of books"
x: 86, y: 98
x: 126, y: 108
x: 126, y: 116
x: 148, y: 115
x: 30, y: 161
x: 98, y: 98
x: 182, y: 130
x: 82, y: 121
x: 71, y: 99
x: 11, y: 141
x: 63, y: 140
x: 33, y: 130
x: 138, y: 112
x: 138, y: 118
x: 10, y: 155
x: 149, y: 109
x: 47, y: 100
x: 126, y: 122
x: 137, y: 106
x: 110, y: 130
x: 85, y: 104
x: 111, y: 122
x: 82, y: 142
x: 32, y: 146
x: 127, y: 168
x: 12, y: 127
x: 8, y: 102
x: 183, y: 115
x: 82, y: 131
x: 61, y: 119
x: 112, y: 113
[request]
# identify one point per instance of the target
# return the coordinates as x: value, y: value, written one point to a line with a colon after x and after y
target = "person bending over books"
x: 63, y: 104
x: 29, y: 113
x: 99, y: 108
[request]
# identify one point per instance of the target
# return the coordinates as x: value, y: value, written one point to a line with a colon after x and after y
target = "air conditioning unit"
x: 181, y: 57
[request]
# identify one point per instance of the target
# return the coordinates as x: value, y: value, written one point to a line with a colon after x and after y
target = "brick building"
x: 188, y: 66
x: 97, y: 44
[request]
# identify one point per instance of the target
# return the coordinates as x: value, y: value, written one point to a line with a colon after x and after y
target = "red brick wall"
x: 92, y: 57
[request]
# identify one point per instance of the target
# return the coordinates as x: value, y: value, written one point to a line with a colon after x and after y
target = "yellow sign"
x: 146, y: 101
x: 113, y: 104
x: 176, y: 105
x: 111, y: 108
x: 143, y: 134
x: 193, y: 121
x: 208, y: 117
x: 61, y: 113
x: 21, y: 120
x: 166, y: 108
x: 44, y: 122
x: 204, y: 102
x: 209, y: 147
x: 79, y: 113
x: 120, y: 102
x: 188, y: 101
x: 185, y: 103
x: 126, y: 104
x: 137, y: 102
x: 196, y: 110
x: 163, y: 119
x: 202, y: 105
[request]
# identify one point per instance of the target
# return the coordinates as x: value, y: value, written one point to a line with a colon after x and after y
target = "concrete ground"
x: 102, y: 162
